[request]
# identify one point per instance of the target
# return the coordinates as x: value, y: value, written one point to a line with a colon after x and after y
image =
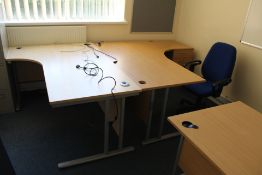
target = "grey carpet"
x: 39, y: 137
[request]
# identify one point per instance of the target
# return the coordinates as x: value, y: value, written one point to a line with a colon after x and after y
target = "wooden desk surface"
x: 137, y: 60
x: 228, y: 135
x: 67, y: 85
x: 145, y: 60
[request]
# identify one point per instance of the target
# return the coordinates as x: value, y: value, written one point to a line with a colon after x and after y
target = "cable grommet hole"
x: 142, y: 82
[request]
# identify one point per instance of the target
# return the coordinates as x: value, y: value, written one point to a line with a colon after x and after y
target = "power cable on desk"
x: 94, y: 71
x: 77, y: 50
x: 95, y: 50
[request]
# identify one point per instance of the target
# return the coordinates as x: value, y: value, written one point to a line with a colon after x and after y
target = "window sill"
x: 58, y: 23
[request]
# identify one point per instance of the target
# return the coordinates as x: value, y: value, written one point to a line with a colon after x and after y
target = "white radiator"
x: 36, y: 35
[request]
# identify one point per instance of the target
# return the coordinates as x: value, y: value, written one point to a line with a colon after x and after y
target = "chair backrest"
x: 219, y: 62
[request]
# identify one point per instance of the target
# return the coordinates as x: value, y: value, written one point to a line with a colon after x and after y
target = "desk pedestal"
x: 192, y: 162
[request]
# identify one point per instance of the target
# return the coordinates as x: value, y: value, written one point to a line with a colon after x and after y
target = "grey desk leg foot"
x: 89, y: 159
x: 163, y: 137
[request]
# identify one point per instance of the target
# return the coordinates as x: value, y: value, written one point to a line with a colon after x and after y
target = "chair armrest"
x: 191, y: 64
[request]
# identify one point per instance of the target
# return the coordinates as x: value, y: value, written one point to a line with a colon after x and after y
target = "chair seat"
x: 201, y: 89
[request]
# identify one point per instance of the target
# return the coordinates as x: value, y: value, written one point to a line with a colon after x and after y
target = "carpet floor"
x: 39, y: 136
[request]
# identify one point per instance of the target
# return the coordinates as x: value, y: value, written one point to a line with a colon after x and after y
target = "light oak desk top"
x: 229, y: 136
x: 145, y: 60
x: 137, y: 60
x: 67, y: 85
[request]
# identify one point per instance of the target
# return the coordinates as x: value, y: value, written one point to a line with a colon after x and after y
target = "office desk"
x: 137, y: 61
x: 65, y: 84
x: 228, y: 141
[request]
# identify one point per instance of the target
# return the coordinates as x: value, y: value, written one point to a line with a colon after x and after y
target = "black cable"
x: 94, y: 71
x: 94, y: 52
x: 113, y: 95
x: 94, y: 49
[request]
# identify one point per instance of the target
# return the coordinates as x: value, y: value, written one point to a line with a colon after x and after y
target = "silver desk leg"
x: 163, y: 113
x: 121, y: 124
x: 106, y: 128
x: 149, y: 122
x: 106, y: 152
x: 178, y: 155
x: 162, y: 123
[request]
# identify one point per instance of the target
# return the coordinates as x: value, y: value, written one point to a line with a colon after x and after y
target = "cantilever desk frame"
x: 137, y: 61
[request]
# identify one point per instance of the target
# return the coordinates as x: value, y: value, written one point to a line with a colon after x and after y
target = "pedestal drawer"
x: 192, y: 162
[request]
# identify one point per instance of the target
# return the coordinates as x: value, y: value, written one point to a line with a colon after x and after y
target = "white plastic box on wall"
x: 39, y: 35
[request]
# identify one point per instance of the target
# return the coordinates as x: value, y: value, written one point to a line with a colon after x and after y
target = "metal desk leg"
x: 163, y: 113
x: 16, y: 86
x: 149, y: 122
x: 106, y: 152
x: 121, y: 124
x: 162, y: 123
x: 106, y: 128
x: 178, y: 155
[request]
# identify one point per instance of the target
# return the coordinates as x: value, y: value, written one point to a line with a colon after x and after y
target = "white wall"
x: 203, y: 22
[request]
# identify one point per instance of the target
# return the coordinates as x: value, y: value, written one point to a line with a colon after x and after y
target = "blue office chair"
x: 217, y: 70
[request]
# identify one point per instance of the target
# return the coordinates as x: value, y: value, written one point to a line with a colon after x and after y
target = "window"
x: 48, y: 11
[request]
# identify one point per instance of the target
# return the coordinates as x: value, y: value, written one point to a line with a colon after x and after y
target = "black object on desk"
x: 188, y: 124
